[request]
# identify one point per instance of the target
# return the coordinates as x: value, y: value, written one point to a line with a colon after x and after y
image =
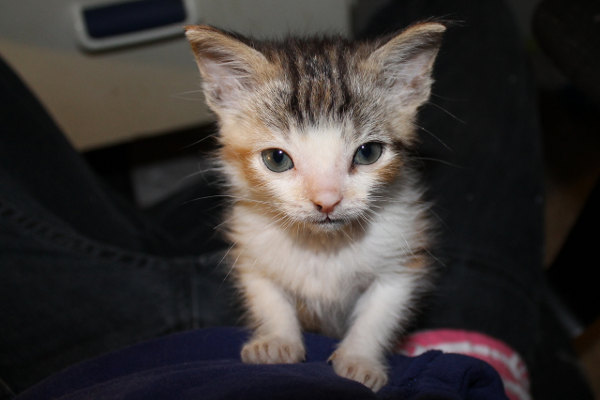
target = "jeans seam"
x: 65, y: 239
x: 68, y: 240
x: 62, y: 238
x: 6, y: 392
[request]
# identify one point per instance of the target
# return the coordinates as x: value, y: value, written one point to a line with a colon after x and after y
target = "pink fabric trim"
x: 499, y: 355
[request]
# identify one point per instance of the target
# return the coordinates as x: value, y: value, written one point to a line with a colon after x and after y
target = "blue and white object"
x: 109, y: 24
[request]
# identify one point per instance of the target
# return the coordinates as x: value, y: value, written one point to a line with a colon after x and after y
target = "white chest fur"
x: 328, y: 273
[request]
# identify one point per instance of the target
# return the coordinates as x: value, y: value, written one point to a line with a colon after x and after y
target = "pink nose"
x: 327, y: 201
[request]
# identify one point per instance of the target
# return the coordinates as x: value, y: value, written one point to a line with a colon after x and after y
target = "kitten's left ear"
x: 406, y: 62
x: 228, y: 66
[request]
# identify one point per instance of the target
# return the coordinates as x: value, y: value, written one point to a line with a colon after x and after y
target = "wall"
x: 104, y: 98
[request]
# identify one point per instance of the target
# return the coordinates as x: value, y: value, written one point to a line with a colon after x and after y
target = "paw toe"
x: 272, y: 351
x: 370, y: 373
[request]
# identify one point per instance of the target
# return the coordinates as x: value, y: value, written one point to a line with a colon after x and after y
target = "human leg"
x: 81, y: 272
x: 481, y: 153
x: 480, y: 148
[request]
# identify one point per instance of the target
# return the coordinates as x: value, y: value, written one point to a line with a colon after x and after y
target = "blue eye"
x: 368, y: 153
x: 277, y: 160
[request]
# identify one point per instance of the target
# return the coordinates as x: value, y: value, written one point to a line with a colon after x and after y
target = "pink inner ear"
x: 412, y: 80
x: 222, y: 82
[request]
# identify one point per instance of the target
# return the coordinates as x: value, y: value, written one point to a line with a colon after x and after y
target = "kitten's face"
x: 313, y: 131
x: 320, y: 177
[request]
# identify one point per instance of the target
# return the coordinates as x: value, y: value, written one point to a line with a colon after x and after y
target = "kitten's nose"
x: 327, y: 201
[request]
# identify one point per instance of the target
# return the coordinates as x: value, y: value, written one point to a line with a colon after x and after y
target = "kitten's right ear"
x: 227, y: 65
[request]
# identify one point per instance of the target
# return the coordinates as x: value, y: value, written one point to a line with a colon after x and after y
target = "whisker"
x: 199, y: 141
x: 447, y: 112
x: 433, y: 135
x: 226, y: 196
x: 190, y: 95
x: 446, y: 98
x: 231, y: 267
x: 202, y: 173
x: 225, y: 255
x: 448, y: 163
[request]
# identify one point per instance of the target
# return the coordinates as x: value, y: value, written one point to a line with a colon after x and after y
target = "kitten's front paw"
x: 272, y: 350
x: 370, y: 373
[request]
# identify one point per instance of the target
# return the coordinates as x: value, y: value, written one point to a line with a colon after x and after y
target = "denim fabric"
x: 482, y: 158
x: 66, y: 297
x: 481, y: 153
x: 81, y: 271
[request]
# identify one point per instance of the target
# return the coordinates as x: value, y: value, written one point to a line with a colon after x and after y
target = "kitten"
x: 329, y: 228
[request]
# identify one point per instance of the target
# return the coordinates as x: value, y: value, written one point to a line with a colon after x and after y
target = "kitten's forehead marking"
x: 317, y: 73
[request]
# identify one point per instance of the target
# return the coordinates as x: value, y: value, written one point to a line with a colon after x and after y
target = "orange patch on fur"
x: 307, y: 318
x: 241, y: 157
x: 419, y: 260
x: 390, y: 172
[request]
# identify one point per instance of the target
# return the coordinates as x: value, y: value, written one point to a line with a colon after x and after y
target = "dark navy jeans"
x: 83, y: 272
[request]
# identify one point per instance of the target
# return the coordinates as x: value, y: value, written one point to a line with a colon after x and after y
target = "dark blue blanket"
x: 205, y: 364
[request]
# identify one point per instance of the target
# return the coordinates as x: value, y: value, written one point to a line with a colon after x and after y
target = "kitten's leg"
x: 277, y: 337
x: 377, y: 318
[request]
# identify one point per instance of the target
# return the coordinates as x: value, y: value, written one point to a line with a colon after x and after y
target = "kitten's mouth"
x: 330, y: 221
x: 329, y: 224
